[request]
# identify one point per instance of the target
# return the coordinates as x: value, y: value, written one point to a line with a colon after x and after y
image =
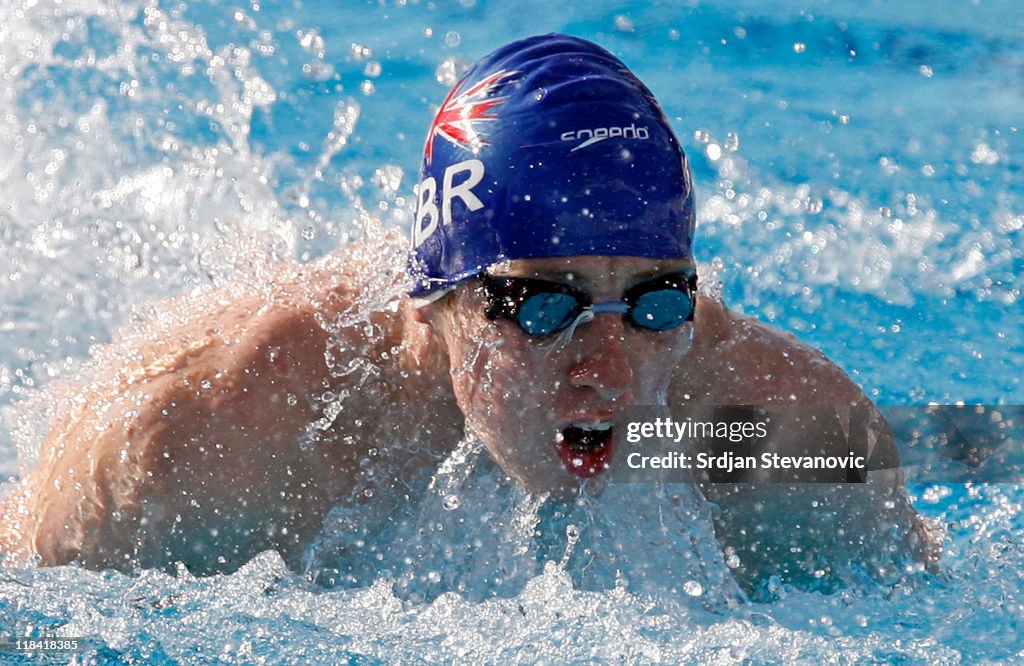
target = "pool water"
x: 859, y: 172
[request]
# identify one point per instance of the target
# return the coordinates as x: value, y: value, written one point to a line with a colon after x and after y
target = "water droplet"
x: 312, y: 42
x: 448, y: 72
x: 693, y: 588
x: 318, y: 70
x: 983, y: 154
x: 450, y: 502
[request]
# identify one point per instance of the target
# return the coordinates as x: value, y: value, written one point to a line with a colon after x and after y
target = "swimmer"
x: 551, y: 286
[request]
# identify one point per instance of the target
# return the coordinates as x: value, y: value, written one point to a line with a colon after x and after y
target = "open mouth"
x: 585, y: 448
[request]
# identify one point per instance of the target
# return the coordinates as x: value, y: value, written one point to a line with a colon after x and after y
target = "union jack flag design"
x: 456, y: 121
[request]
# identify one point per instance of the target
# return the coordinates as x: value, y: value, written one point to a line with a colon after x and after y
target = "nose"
x: 604, y: 364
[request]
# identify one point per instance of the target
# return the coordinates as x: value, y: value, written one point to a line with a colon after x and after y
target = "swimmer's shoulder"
x: 361, y: 283
x: 740, y: 360
x: 199, y: 413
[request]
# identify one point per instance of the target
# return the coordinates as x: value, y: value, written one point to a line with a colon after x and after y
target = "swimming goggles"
x: 543, y: 307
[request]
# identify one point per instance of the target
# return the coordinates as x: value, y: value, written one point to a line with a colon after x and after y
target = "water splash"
x: 475, y: 533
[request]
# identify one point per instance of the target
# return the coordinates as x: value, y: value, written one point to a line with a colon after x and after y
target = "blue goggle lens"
x: 661, y: 310
x: 542, y: 314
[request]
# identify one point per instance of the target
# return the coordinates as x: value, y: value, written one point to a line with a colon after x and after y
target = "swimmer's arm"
x: 774, y: 528
x: 193, y: 451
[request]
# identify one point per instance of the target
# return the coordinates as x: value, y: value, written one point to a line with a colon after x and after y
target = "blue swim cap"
x: 548, y: 147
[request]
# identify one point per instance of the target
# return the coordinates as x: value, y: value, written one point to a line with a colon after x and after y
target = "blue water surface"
x: 859, y: 174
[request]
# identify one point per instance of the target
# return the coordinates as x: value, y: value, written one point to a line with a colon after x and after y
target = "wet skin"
x: 519, y: 392
x: 190, y: 452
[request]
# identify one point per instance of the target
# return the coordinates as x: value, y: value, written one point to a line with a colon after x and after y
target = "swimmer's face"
x: 543, y: 407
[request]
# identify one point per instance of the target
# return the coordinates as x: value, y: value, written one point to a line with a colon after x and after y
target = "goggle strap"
x: 565, y: 335
x: 587, y: 314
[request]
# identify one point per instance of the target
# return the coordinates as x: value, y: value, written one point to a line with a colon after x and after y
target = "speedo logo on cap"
x: 589, y: 137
